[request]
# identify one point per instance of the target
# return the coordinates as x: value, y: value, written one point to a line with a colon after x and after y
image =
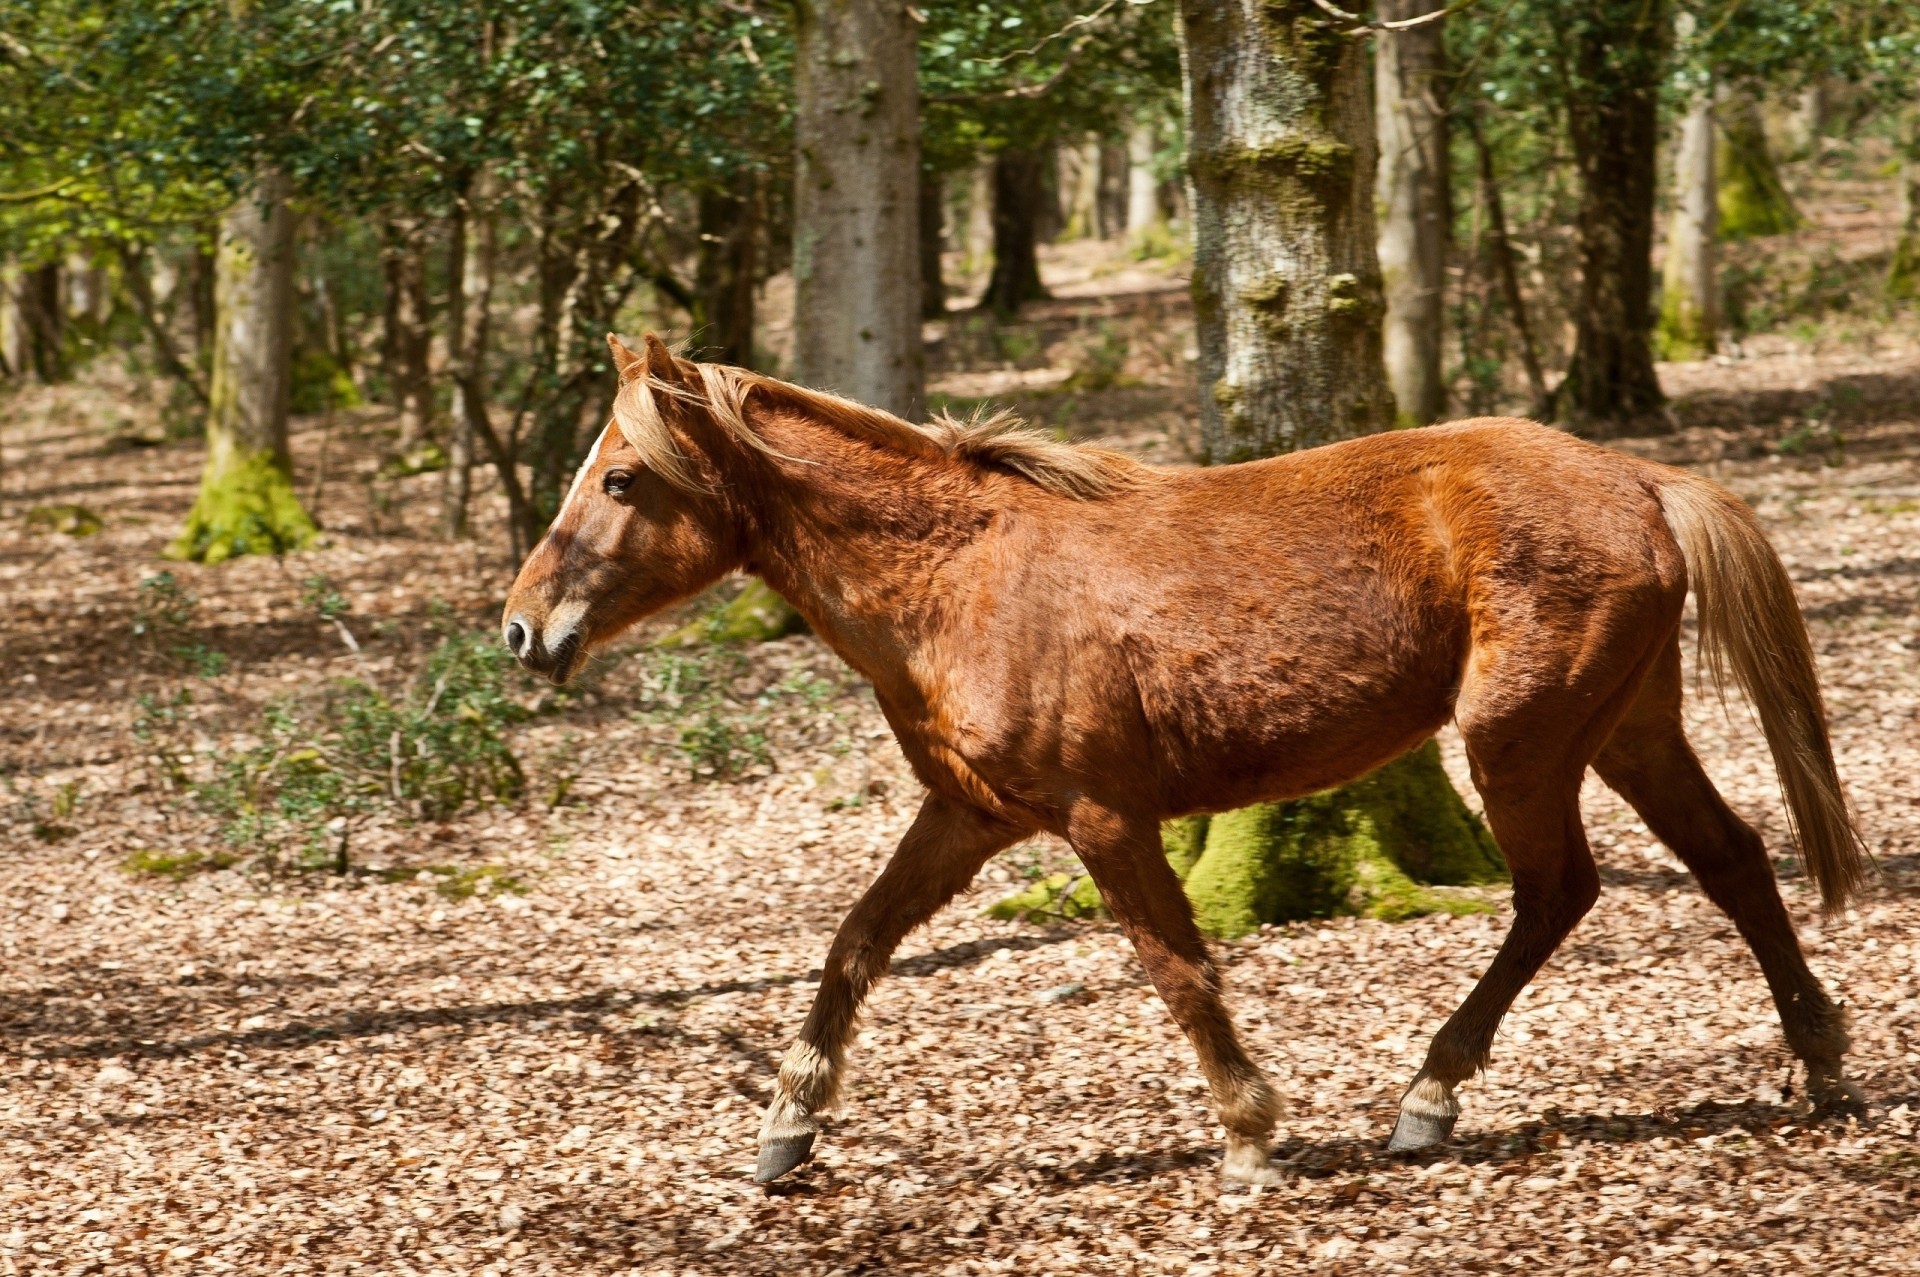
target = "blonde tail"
x: 1750, y: 622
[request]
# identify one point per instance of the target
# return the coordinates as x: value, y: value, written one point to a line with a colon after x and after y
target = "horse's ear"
x: 661, y: 365
x: 628, y: 363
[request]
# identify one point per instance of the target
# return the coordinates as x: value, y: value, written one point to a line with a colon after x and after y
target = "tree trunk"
x: 856, y: 264
x: 1111, y: 206
x: 1753, y: 200
x: 1077, y: 171
x: 15, y: 357
x: 200, y: 279
x: 1499, y: 247
x: 1286, y: 286
x: 727, y: 271
x: 41, y: 315
x: 1903, y: 276
x: 1689, y: 284
x: 1610, y: 388
x: 1143, y: 187
x: 470, y: 260
x: 1019, y: 196
x: 409, y: 337
x: 933, y: 289
x: 247, y: 504
x: 1410, y: 189
x: 1287, y: 306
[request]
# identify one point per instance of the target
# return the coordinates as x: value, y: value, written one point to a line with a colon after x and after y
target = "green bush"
x: 323, y: 768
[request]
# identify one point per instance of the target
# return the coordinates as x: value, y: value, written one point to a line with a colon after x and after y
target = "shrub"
x: 321, y: 769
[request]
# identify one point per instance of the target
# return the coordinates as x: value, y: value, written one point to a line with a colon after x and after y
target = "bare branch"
x: 1363, y: 26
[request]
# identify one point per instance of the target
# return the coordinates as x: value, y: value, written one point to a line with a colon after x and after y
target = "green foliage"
x: 162, y: 621
x: 721, y: 729
x: 321, y: 768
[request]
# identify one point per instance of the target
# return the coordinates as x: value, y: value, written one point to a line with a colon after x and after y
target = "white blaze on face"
x: 580, y: 476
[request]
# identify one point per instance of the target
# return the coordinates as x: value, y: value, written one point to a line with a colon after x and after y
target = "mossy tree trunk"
x: 1689, y: 282
x: 1288, y: 303
x: 1903, y: 277
x: 247, y: 504
x: 1617, y: 54
x: 1753, y: 200
x: 1286, y: 284
x: 1411, y: 191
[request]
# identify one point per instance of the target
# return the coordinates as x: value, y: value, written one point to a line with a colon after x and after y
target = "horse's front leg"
x: 1123, y: 854
x: 935, y: 861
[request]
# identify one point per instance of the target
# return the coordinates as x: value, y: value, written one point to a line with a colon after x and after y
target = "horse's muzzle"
x: 555, y: 664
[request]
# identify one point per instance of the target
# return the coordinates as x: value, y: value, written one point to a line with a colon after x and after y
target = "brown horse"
x: 1065, y: 640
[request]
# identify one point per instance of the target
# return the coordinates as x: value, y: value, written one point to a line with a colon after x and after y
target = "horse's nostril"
x: 516, y: 638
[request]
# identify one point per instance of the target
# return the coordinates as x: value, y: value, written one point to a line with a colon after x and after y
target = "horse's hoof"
x: 1835, y: 1096
x: 781, y: 1154
x: 1420, y: 1130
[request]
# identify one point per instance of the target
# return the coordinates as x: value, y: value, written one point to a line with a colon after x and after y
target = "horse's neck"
x: 854, y: 539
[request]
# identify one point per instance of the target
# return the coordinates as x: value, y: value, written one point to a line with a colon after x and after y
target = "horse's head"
x: 638, y: 529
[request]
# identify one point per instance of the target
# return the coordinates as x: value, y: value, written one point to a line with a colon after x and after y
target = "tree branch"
x: 1363, y: 26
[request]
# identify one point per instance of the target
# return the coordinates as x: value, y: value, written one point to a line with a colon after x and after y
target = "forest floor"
x: 537, y: 1038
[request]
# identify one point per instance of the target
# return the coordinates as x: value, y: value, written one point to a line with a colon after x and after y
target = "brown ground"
x: 244, y: 1072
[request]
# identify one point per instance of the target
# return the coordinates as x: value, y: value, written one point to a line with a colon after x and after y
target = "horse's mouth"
x: 565, y: 658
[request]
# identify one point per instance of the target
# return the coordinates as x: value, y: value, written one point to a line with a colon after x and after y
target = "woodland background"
x: 332, y: 941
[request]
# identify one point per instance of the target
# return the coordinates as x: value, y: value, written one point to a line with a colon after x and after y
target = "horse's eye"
x: 617, y: 482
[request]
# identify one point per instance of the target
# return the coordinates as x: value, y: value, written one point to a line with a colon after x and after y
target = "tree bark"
x: 200, y: 280
x: 1288, y: 308
x: 247, y: 503
x: 1286, y: 285
x: 1689, y: 284
x: 1619, y: 61
x: 409, y: 337
x: 856, y: 250
x: 1019, y: 194
x: 1753, y: 200
x: 470, y: 262
x: 1410, y: 189
x: 727, y: 271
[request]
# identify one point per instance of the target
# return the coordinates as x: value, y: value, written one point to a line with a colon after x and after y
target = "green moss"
x: 1903, y: 277
x: 65, y: 518
x: 1378, y: 847
x: 1055, y: 896
x: 455, y: 883
x: 1323, y: 165
x: 1684, y: 332
x: 177, y: 865
x: 425, y: 459
x: 755, y: 615
x: 1184, y: 840
x: 247, y: 505
x: 1753, y: 200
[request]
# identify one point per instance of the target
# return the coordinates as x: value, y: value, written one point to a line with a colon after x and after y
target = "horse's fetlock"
x: 809, y: 1078
x: 1429, y: 1097
x: 1247, y: 1162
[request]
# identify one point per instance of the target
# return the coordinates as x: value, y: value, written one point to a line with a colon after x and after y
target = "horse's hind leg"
x: 1650, y: 764
x: 1535, y: 815
x: 937, y: 858
x: 1530, y: 725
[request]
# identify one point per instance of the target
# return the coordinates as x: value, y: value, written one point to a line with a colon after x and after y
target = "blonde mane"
x: 997, y: 441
